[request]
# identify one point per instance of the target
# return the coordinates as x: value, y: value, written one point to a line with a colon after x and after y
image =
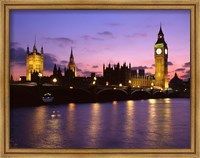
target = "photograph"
x: 99, y: 80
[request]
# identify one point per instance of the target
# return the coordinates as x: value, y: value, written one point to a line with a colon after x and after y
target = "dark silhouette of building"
x: 141, y: 72
x: 115, y: 75
x: 176, y: 83
x: 72, y: 65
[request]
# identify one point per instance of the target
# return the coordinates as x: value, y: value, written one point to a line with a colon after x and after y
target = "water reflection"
x: 159, y: 122
x: 39, y: 119
x: 167, y: 117
x: 114, y: 102
x: 94, y: 124
x: 47, y: 126
x: 129, y: 120
x: 114, y: 120
x: 154, y: 123
x: 71, y: 119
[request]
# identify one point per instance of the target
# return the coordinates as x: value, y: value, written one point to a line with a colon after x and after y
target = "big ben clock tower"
x: 161, y: 61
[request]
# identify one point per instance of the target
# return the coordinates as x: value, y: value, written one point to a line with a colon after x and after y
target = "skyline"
x: 105, y: 36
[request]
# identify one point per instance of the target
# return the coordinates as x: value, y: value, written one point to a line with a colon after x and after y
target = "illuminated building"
x: 34, y: 62
x: 161, y: 61
x: 72, y: 65
x: 116, y: 74
x: 124, y: 75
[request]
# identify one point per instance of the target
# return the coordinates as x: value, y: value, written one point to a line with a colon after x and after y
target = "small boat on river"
x: 47, y: 98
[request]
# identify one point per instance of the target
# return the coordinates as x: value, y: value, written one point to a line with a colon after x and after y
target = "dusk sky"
x: 100, y: 37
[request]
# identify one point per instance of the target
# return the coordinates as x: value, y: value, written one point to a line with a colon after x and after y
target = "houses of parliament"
x: 116, y: 74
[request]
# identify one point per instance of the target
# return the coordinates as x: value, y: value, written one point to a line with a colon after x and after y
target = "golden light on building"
x: 34, y: 62
x: 129, y: 81
x: 166, y: 85
x: 161, y: 60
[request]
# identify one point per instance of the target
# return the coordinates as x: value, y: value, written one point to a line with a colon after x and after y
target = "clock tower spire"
x: 161, y: 61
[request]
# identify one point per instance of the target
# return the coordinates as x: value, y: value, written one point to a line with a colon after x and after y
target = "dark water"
x: 153, y: 123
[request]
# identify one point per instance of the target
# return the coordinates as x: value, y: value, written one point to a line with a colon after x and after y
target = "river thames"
x: 152, y: 123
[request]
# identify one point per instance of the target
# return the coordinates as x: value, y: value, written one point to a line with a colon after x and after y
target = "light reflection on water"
x: 94, y: 124
x: 40, y: 114
x: 129, y: 121
x: 159, y: 123
x: 153, y: 123
x: 70, y: 114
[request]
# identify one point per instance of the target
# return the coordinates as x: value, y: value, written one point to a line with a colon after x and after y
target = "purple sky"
x: 100, y: 37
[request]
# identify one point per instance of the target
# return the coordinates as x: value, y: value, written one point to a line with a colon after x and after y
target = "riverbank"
x: 32, y: 95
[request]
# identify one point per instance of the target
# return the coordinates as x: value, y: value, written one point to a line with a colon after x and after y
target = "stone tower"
x: 72, y: 65
x: 161, y: 61
x: 34, y: 62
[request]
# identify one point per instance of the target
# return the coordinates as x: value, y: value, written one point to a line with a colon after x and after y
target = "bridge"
x: 26, y: 94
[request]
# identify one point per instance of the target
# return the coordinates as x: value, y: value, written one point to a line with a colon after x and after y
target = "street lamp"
x: 129, y: 81
x: 55, y: 80
x: 40, y: 76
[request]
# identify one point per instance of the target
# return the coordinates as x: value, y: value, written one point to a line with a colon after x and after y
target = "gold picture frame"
x: 7, y: 5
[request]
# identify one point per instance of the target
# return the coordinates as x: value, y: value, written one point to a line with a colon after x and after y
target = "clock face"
x: 158, y: 51
x: 166, y: 51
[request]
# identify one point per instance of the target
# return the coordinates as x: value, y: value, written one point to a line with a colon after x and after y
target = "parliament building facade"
x: 117, y: 74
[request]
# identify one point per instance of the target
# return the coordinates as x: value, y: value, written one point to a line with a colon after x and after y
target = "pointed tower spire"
x: 160, y: 31
x: 42, y: 50
x: 55, y: 70
x: 72, y: 65
x: 27, y: 50
x: 35, y: 41
x: 71, y: 55
x: 161, y: 37
x: 71, y: 60
x: 34, y: 47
